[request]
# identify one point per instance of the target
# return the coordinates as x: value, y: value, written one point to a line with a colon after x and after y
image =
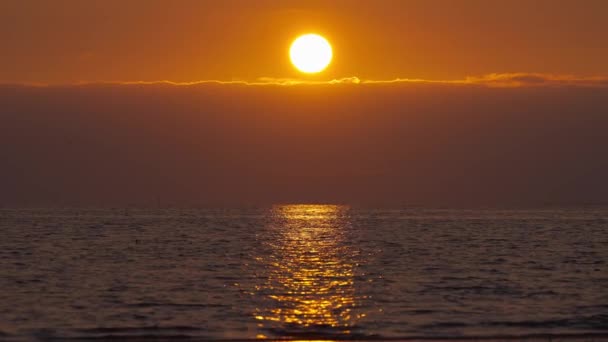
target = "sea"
x: 308, y: 272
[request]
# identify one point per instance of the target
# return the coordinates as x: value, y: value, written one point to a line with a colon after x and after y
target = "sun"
x: 310, y: 53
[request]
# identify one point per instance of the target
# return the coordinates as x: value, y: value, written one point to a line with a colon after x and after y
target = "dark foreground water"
x: 302, y: 271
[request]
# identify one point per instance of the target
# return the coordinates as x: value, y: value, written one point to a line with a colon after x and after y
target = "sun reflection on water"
x: 310, y: 272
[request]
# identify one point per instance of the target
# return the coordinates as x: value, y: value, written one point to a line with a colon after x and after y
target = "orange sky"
x: 65, y: 41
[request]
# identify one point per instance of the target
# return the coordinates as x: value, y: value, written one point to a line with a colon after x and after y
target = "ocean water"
x: 303, y: 272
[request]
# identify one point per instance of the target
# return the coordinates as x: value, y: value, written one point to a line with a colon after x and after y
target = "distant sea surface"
x: 303, y: 272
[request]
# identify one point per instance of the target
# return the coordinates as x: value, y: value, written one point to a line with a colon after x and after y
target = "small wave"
x: 182, y: 305
x: 148, y: 332
x: 320, y: 332
x: 283, y: 334
x: 595, y: 322
x: 137, y: 329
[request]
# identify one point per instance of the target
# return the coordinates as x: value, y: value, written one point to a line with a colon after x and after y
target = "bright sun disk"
x: 310, y: 53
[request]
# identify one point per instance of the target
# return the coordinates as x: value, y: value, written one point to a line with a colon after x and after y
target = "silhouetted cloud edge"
x: 508, y: 80
x: 494, y: 80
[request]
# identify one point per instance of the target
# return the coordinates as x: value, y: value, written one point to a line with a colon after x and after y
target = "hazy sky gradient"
x: 521, y: 119
x: 188, y: 40
x: 380, y: 144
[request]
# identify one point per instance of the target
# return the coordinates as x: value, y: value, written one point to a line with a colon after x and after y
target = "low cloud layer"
x: 523, y: 139
x: 496, y: 80
x: 535, y: 79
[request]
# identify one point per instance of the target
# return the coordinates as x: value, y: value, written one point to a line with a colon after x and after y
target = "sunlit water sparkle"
x: 303, y: 271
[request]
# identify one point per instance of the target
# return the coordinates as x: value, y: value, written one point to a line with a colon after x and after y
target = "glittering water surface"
x: 303, y: 271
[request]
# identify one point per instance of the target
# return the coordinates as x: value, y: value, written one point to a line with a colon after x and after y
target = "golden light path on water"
x: 310, y: 280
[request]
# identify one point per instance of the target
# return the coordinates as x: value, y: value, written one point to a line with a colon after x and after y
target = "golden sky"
x: 437, y: 102
x: 64, y: 41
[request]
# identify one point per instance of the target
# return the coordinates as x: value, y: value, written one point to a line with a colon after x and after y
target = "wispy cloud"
x: 498, y: 80
x: 260, y: 81
x: 536, y: 79
x: 506, y: 80
x: 293, y: 81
